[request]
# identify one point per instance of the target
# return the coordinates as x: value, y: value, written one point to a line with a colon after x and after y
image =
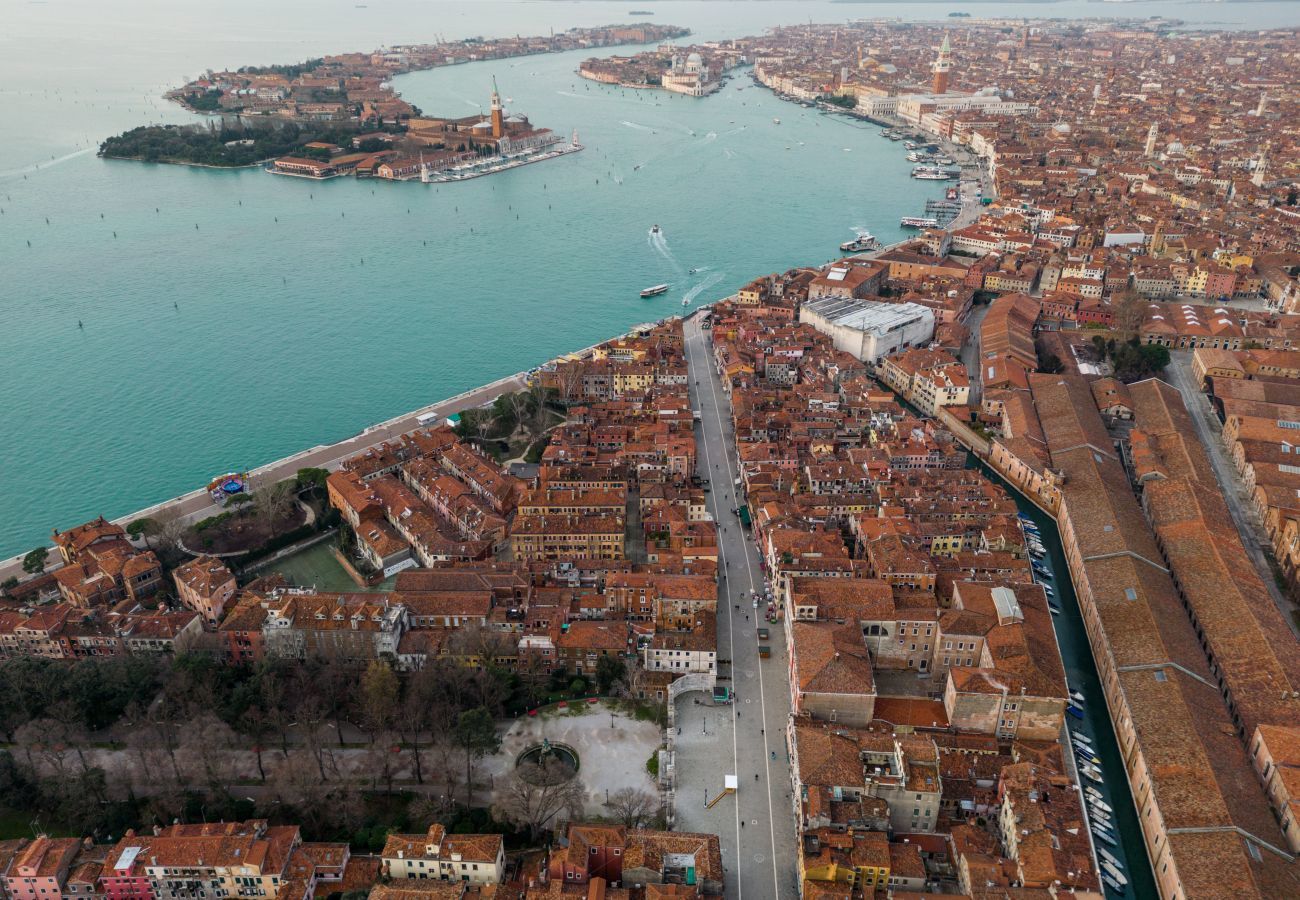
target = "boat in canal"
x: 1077, y: 697
x: 656, y: 290
x: 1092, y: 773
x: 1074, y: 711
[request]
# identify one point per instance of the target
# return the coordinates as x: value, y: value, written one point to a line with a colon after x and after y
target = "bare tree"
x: 535, y: 793
x: 208, y: 743
x: 1130, y: 312
x: 378, y: 698
x: 170, y: 529
x: 274, y: 502
x: 569, y: 376
x: 634, y: 808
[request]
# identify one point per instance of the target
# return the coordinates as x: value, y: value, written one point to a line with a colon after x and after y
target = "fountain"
x: 548, y: 762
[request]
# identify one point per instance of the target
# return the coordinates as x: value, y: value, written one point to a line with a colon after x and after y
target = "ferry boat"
x: 864, y: 241
x: 918, y: 222
x: 931, y: 175
x: 656, y: 290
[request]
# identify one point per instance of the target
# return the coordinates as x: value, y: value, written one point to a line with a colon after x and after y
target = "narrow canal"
x: 1094, y: 725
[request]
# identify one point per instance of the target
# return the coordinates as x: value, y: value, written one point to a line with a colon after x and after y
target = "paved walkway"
x: 757, y: 825
x: 1210, y: 432
x: 612, y: 750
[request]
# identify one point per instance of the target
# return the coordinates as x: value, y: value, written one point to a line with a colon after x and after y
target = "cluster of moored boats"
x: 1100, y: 814
x: 1037, y: 552
x: 1087, y: 761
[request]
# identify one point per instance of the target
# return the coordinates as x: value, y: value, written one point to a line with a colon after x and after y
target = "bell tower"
x: 498, y: 113
x: 942, y: 66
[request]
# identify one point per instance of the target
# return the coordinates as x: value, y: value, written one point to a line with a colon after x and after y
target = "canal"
x: 1095, y: 724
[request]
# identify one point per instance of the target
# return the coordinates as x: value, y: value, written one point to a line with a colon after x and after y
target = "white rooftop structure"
x: 869, y: 329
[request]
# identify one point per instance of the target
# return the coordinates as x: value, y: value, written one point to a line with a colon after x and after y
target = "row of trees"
x: 221, y: 145
x: 137, y: 739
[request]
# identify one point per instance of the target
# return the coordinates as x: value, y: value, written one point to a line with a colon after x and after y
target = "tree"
x: 34, y: 562
x: 1051, y: 364
x: 609, y: 672
x: 144, y: 528
x: 633, y: 808
x: 1130, y: 311
x: 312, y: 478
x: 274, y: 502
x: 535, y: 793
x: 476, y: 734
x: 378, y: 698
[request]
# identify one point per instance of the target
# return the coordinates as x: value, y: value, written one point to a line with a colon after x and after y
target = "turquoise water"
x: 298, y: 313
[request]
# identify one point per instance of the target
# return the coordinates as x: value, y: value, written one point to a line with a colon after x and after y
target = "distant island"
x: 694, y: 71
x: 342, y: 113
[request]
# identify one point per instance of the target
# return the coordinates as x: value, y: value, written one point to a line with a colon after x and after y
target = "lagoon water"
x: 232, y: 317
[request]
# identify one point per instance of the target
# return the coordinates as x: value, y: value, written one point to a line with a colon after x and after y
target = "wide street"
x: 747, y: 738
x: 1208, y: 429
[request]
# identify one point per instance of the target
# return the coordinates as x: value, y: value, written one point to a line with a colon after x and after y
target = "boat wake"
x: 575, y: 96
x: 659, y: 244
x: 703, y: 286
x: 47, y: 163
x: 636, y: 126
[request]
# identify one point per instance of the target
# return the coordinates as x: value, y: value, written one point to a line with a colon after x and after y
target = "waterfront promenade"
x: 197, y: 504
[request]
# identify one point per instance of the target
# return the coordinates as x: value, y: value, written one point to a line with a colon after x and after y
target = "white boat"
x: 1109, y: 857
x: 1108, y: 838
x: 1112, y: 884
x: 654, y: 291
x: 1077, y: 697
x: 1100, y: 804
x: 1082, y: 740
x: 776, y: 121
x: 918, y: 222
x: 1100, y: 815
x: 686, y: 301
x: 863, y: 242
x: 1092, y: 773
x: 1054, y: 609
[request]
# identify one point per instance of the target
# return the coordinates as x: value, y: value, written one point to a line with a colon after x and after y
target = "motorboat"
x: 1054, y: 609
x: 1113, y: 884
x: 1092, y: 773
x: 1107, y: 837
x: 1077, y: 697
x: 654, y: 229
x: 1109, y: 857
x: 1074, y: 711
x: 1086, y: 756
x: 1100, y: 804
